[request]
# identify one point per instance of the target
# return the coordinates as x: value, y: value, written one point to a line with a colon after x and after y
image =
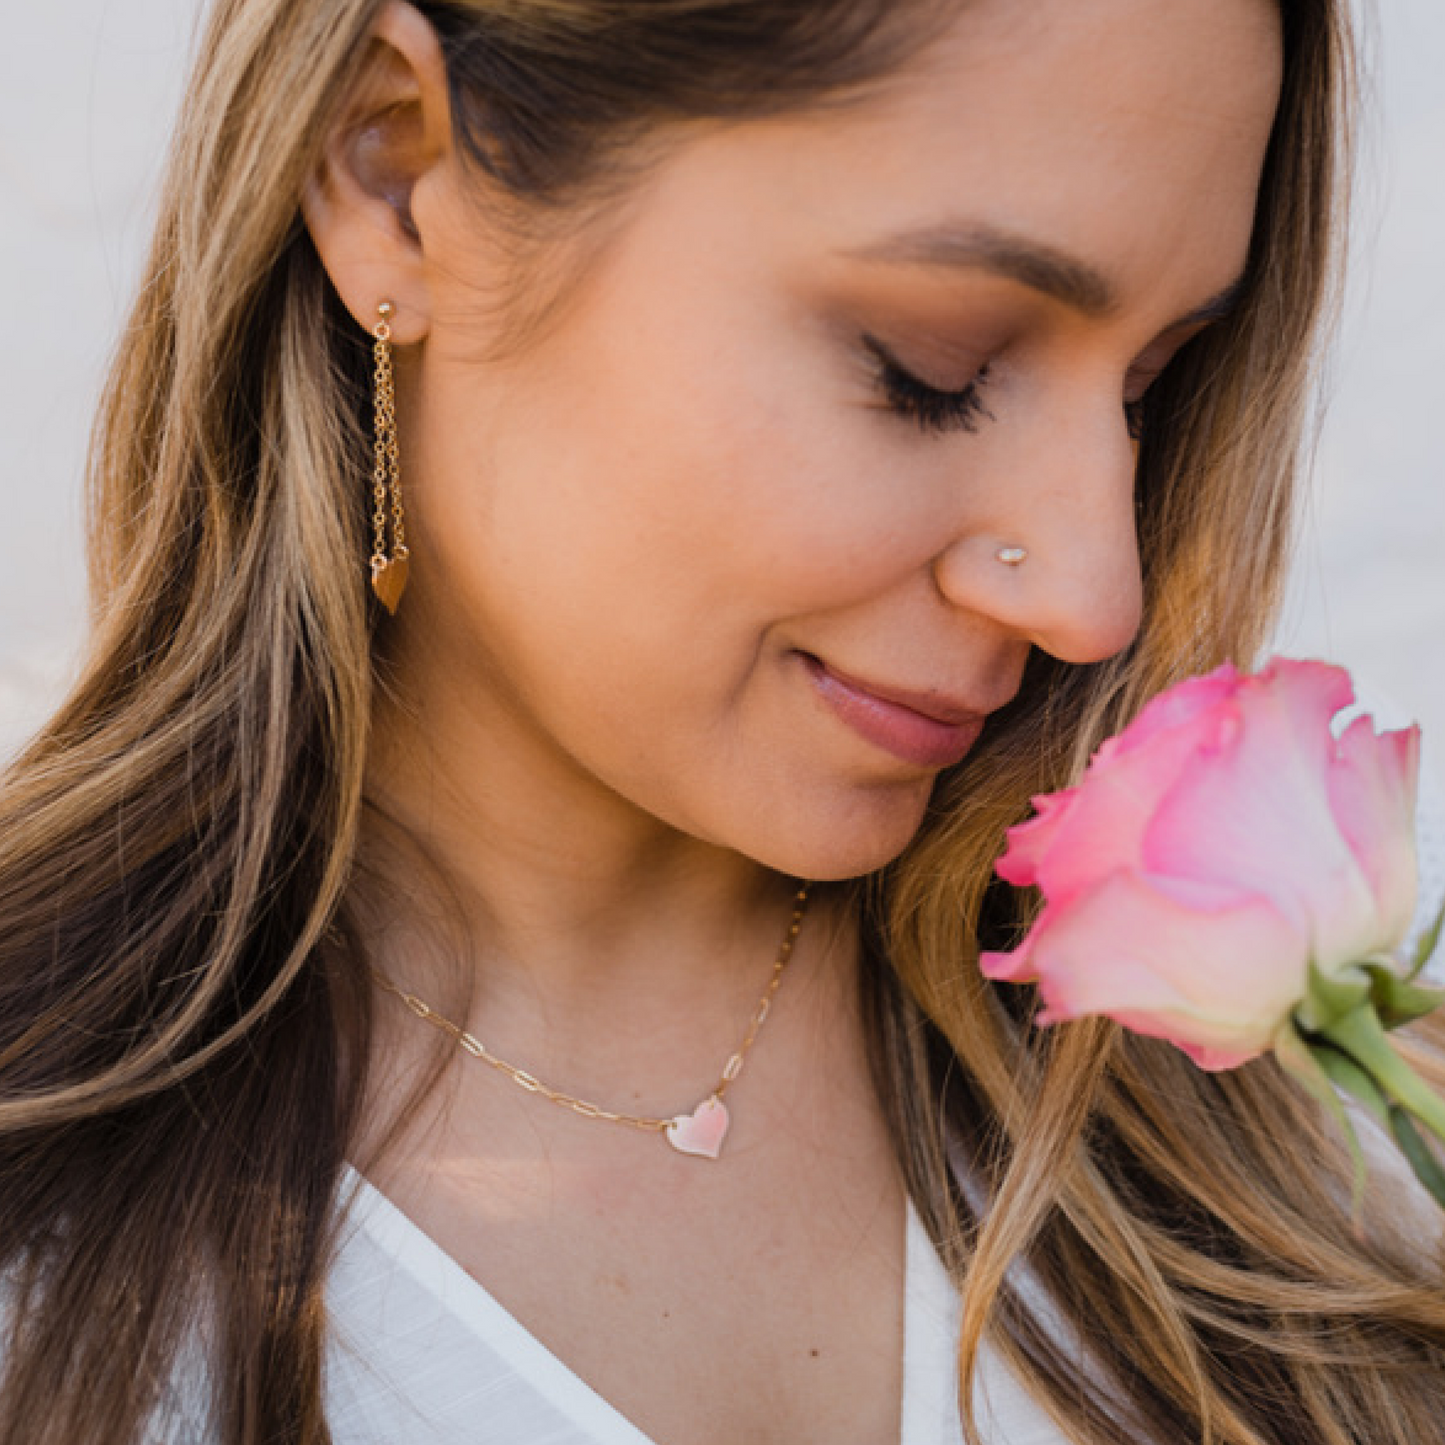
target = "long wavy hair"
x: 184, y: 1005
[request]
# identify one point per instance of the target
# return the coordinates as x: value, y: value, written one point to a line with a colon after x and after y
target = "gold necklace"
x: 702, y: 1131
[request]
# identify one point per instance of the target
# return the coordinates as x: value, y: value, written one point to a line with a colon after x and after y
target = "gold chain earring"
x: 389, y: 567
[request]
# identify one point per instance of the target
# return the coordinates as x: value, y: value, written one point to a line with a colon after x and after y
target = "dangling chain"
x: 386, y: 475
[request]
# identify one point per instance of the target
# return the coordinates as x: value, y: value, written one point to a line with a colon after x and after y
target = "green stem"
x: 1361, y: 1035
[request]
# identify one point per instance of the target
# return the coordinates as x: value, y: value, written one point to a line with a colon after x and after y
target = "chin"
x: 848, y: 837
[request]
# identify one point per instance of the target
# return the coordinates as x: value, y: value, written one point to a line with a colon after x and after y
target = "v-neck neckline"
x: 929, y: 1323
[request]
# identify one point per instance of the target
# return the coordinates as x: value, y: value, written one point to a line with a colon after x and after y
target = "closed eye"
x: 1145, y: 373
x: 934, y: 410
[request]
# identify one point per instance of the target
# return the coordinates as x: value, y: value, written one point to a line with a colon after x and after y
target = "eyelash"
x: 938, y: 411
x: 935, y: 411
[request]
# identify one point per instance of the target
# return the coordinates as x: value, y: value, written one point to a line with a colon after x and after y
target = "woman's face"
x: 701, y: 551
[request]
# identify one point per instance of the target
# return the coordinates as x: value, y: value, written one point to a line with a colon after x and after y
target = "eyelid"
x: 935, y: 410
x: 1137, y: 382
x: 889, y: 359
x: 1156, y: 358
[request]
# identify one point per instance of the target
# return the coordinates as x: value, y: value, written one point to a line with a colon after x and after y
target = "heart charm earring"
x: 389, y: 567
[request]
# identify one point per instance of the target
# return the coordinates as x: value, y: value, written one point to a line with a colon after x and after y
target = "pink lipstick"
x: 919, y: 728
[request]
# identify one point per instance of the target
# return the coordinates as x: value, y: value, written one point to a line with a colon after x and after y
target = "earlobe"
x: 392, y: 130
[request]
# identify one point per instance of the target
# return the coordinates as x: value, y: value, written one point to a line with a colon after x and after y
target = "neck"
x: 591, y: 939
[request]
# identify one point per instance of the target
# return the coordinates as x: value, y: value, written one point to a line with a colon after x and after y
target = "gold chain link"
x: 386, y: 472
x: 533, y: 1085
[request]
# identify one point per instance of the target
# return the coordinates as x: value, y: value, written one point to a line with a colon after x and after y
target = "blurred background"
x: 88, y: 90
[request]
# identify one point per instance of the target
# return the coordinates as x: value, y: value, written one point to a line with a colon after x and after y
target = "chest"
x: 760, y: 1299
x: 422, y: 1353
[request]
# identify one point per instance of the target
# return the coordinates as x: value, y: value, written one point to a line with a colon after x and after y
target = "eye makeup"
x: 935, y: 410
x: 941, y: 411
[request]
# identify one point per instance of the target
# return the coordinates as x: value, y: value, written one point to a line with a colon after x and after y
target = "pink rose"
x: 1215, y: 849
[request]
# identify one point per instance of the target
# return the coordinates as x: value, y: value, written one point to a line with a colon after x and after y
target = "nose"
x: 1064, y: 493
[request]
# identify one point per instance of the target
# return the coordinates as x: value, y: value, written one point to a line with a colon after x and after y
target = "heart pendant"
x: 388, y: 580
x: 702, y: 1132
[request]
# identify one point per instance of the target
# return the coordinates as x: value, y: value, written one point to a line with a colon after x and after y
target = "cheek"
x: 614, y: 541
x: 665, y: 496
x: 621, y: 566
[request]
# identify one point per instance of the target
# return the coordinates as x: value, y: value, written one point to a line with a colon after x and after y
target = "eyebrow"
x: 1035, y: 265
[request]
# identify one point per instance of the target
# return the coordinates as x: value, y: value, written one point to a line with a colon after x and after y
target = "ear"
x: 392, y: 130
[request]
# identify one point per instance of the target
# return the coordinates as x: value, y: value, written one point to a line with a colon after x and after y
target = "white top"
x: 422, y: 1354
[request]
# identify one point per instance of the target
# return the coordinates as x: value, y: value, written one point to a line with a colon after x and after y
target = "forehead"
x: 1129, y: 133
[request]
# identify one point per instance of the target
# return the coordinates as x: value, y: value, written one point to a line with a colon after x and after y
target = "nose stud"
x: 1011, y: 556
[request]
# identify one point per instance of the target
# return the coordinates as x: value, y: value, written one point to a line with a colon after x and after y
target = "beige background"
x: 87, y: 92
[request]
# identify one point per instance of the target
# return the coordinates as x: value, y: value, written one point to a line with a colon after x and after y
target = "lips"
x: 922, y: 728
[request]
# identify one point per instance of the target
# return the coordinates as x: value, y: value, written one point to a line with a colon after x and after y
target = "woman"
x: 575, y: 470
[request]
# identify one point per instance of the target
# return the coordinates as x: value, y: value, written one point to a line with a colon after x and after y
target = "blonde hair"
x: 184, y: 1010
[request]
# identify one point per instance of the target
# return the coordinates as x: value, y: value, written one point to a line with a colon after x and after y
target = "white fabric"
x: 421, y: 1353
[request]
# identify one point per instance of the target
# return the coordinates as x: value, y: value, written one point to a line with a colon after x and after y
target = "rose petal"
x: 1115, y: 806
x: 1104, y: 829
x: 1310, y: 692
x: 1176, y: 707
x: 1217, y: 1060
x: 1015, y: 967
x: 1210, y: 968
x: 1373, y: 788
x: 1029, y: 842
x: 1256, y: 816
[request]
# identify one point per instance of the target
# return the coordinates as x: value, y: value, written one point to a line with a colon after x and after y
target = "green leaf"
x: 1414, y: 1148
x: 1346, y: 1074
x: 1428, y: 943
x: 1397, y: 1000
x: 1328, y: 999
x: 1303, y: 1063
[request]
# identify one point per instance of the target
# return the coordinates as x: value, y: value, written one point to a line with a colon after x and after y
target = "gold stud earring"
x: 389, y: 566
